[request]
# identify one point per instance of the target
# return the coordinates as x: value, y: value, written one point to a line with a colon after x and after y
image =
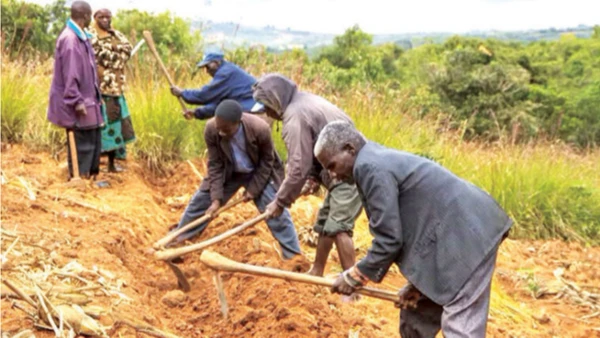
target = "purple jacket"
x: 74, y: 81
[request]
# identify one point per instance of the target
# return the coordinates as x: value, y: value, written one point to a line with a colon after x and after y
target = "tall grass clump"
x: 163, y: 135
x: 25, y: 89
x: 21, y: 97
x: 548, y: 190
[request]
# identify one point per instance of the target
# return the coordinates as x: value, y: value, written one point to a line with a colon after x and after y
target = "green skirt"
x: 118, y: 129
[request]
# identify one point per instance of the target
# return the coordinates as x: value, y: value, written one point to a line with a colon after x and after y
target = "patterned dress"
x: 112, y: 51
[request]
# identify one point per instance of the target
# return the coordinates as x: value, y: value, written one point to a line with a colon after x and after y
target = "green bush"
x: 29, y: 29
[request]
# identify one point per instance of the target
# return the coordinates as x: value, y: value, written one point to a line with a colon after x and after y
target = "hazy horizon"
x: 377, y: 16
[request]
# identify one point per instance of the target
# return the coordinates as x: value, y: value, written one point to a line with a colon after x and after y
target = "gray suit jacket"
x: 434, y: 225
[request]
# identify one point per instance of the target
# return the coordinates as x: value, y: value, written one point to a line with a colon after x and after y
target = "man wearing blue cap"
x: 229, y: 82
x: 241, y: 153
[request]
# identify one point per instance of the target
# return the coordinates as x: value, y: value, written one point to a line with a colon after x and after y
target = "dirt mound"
x: 111, y: 229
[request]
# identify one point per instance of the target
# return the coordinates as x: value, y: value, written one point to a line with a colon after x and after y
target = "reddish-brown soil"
x: 112, y: 229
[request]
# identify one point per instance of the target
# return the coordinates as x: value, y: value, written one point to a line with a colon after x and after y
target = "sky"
x: 378, y: 16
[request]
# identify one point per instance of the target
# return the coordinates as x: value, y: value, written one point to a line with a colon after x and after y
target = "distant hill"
x: 230, y: 35
x: 234, y: 35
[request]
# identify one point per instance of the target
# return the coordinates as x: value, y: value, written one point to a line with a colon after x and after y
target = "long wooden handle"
x: 74, y: 161
x: 172, y: 235
x: 148, y: 37
x: 169, y: 254
x: 218, y: 262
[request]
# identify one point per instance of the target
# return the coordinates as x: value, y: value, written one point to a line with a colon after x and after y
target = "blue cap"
x: 258, y: 108
x: 208, y: 58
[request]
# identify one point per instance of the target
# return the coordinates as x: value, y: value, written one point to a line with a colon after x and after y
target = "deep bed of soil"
x: 112, y: 228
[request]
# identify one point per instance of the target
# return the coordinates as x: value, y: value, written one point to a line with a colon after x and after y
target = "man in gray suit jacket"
x: 442, y: 231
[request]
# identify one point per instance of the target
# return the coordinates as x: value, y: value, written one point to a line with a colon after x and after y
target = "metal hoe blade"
x: 181, y: 280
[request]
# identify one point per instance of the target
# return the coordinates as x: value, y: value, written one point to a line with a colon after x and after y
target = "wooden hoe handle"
x: 169, y: 254
x: 148, y: 37
x: 172, y: 235
x: 218, y: 262
x: 74, y: 160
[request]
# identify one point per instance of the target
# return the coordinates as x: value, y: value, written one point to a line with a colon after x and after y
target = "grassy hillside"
x: 549, y: 189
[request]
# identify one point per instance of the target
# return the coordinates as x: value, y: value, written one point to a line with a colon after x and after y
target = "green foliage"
x: 24, y: 102
x: 29, y: 28
x: 496, y: 89
x: 582, y: 126
x: 16, y: 110
x: 354, y: 59
x: 547, y: 189
x: 348, y: 49
x: 507, y: 89
x: 163, y: 135
x: 489, y: 96
x: 570, y: 69
x: 430, y: 100
x: 596, y: 33
x: 172, y: 34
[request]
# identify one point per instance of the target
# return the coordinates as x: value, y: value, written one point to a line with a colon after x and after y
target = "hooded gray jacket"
x: 304, y: 115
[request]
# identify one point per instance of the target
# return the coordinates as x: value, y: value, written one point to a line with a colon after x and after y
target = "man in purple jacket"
x: 74, y: 94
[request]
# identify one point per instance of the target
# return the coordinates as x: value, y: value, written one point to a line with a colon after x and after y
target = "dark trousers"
x: 88, y: 143
x: 463, y: 317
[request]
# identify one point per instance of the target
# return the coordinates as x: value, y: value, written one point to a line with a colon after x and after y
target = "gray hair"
x: 336, y: 135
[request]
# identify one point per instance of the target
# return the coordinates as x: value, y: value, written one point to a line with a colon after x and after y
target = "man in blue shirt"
x: 229, y: 82
x: 240, y: 153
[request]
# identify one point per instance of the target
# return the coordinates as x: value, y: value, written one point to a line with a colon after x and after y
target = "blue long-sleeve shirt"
x: 229, y: 82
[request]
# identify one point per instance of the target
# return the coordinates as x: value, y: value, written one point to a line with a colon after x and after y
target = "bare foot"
x: 315, y: 272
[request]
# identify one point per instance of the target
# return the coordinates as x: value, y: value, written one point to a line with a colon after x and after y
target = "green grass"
x: 25, y: 90
x: 550, y: 190
x: 20, y: 85
x: 163, y: 135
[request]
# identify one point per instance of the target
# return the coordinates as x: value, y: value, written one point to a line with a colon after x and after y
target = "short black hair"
x: 229, y: 110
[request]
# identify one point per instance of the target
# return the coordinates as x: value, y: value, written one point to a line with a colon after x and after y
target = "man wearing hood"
x: 303, y: 116
x: 229, y: 82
